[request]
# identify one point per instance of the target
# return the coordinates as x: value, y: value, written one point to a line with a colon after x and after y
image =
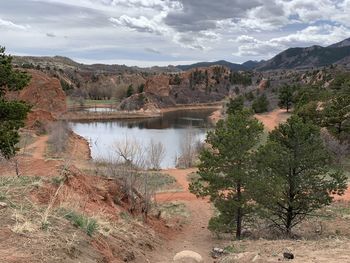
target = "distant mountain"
x: 292, y: 58
x: 64, y: 63
x: 314, y: 56
x: 232, y: 66
x: 251, y: 64
x: 344, y: 43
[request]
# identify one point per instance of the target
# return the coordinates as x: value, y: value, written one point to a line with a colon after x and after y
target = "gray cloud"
x: 197, y: 15
x: 152, y: 50
x: 50, y: 35
x: 192, y: 30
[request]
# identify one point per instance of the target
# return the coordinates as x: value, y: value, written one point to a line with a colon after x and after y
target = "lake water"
x: 171, y: 130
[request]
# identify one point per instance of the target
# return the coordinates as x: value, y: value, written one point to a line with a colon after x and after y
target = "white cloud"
x: 141, y: 24
x: 312, y: 35
x: 192, y: 29
x: 11, y: 25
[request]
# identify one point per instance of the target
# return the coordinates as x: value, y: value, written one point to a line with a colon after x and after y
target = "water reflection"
x: 170, y: 129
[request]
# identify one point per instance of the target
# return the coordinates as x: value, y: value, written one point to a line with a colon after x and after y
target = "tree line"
x: 282, y: 180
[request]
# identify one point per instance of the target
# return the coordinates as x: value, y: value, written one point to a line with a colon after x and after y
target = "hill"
x: 314, y: 56
x: 344, y: 43
x: 232, y: 66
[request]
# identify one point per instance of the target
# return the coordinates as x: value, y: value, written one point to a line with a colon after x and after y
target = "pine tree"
x: 234, y: 105
x: 337, y: 114
x: 224, y: 169
x: 294, y: 176
x: 260, y: 104
x: 286, y: 97
x: 12, y: 113
x: 129, y: 91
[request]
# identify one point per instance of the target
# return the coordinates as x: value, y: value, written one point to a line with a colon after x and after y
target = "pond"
x: 171, y: 130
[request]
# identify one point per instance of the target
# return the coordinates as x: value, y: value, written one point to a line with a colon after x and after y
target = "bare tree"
x: 189, y: 149
x: 127, y: 168
x: 156, y: 154
x: 59, y: 136
x: 338, y: 149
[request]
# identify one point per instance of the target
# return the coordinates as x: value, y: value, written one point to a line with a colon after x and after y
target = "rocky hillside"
x: 97, y: 81
x: 200, y: 85
x: 233, y: 66
x: 45, y: 95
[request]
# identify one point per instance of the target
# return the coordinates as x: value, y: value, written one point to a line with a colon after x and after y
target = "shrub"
x: 89, y: 225
x: 260, y: 104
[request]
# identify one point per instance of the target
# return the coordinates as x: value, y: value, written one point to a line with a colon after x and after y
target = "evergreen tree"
x: 225, y: 169
x: 141, y: 88
x: 10, y: 79
x: 294, y: 175
x: 286, y: 97
x: 129, y: 91
x: 260, y: 104
x: 337, y: 114
x: 12, y: 113
x: 234, y: 105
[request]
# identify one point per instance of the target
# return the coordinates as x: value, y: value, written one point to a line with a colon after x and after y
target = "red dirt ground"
x: 272, y: 119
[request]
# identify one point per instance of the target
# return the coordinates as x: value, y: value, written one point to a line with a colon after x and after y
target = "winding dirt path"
x: 194, y: 236
x: 272, y: 119
x: 38, y: 148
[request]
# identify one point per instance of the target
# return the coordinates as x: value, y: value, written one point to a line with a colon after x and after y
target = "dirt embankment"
x: 98, y: 198
x: 46, y: 97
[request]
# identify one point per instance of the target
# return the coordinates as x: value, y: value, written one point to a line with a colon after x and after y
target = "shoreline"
x: 133, y: 115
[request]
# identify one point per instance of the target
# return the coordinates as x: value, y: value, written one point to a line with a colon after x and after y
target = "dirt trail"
x: 38, y: 147
x: 181, y: 178
x: 194, y: 236
x: 272, y: 119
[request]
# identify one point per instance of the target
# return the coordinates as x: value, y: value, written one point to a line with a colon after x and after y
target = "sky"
x: 163, y: 32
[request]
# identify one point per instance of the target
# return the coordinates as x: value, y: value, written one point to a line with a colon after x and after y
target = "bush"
x: 260, y: 104
x: 89, y: 225
x: 58, y: 137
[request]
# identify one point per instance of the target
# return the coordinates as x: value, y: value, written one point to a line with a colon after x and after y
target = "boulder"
x: 188, y: 256
x: 288, y: 255
x: 3, y: 205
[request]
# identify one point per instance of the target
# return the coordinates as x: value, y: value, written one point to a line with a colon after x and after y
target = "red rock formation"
x: 37, y: 117
x: 158, y: 85
x: 46, y: 97
x: 44, y: 93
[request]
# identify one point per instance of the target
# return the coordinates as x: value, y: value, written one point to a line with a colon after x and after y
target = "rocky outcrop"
x: 44, y: 93
x: 46, y: 97
x: 146, y: 101
x: 201, y: 85
x: 158, y: 85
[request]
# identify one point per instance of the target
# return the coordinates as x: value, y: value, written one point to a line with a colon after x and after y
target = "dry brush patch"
x: 321, y: 238
x: 62, y: 217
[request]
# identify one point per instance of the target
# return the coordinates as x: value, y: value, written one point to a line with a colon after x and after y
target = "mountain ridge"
x: 291, y: 58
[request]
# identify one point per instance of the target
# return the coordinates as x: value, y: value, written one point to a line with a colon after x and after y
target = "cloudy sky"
x: 162, y: 32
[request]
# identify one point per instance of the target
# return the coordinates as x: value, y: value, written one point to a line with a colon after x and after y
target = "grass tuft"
x: 89, y: 225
